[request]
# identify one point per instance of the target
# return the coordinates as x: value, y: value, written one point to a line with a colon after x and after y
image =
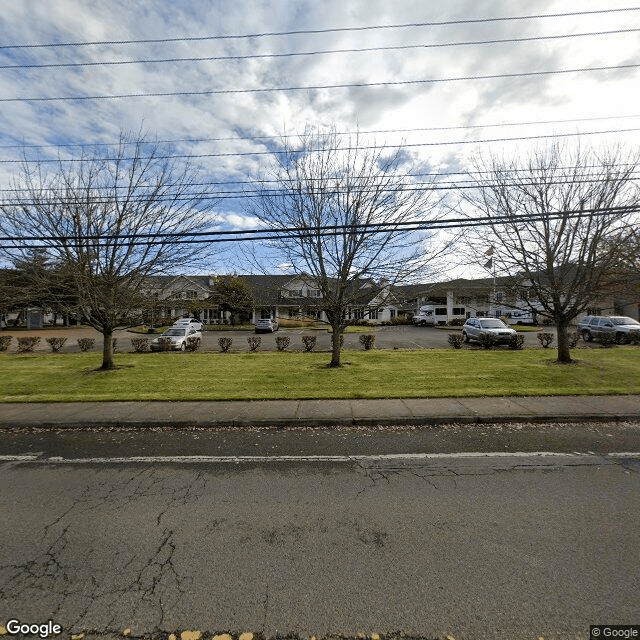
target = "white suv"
x: 474, y: 328
x: 176, y: 339
x: 267, y: 325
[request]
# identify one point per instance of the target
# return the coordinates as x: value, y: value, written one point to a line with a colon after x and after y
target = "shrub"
x: 164, y: 343
x: 5, y: 341
x: 633, y: 338
x: 225, y: 344
x: 140, y: 345
x: 254, y: 342
x: 487, y: 340
x: 456, y: 322
x: 516, y: 341
x: 455, y: 340
x: 282, y: 342
x: 114, y: 342
x: 545, y: 339
x: 607, y: 340
x: 572, y: 338
x: 86, y: 343
x: 368, y: 341
x: 27, y: 344
x: 56, y: 343
x: 193, y: 343
x: 309, y: 343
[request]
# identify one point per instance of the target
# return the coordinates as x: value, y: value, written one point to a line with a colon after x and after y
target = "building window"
x: 313, y: 293
x: 191, y: 294
x: 373, y: 314
x: 358, y: 314
x: 499, y: 296
x: 457, y: 311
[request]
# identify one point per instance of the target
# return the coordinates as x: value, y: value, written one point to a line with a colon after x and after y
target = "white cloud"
x: 240, y: 222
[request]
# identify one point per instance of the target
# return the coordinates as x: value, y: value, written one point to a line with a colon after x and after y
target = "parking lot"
x: 388, y: 337
x: 392, y: 337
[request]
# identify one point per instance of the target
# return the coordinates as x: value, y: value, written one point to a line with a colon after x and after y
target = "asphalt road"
x: 367, y: 534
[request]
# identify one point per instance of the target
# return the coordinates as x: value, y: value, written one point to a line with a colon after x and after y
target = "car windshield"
x: 176, y: 331
x: 624, y: 320
x: 492, y: 323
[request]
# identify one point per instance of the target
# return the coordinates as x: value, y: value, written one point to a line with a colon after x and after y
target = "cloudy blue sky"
x: 233, y: 122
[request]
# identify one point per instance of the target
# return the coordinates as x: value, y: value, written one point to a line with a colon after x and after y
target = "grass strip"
x: 287, y: 375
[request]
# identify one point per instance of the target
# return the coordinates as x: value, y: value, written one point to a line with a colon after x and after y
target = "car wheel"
x: 183, y: 346
x: 465, y: 336
x: 586, y: 336
x: 620, y: 338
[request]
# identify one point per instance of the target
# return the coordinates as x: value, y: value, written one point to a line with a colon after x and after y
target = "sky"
x: 436, y: 100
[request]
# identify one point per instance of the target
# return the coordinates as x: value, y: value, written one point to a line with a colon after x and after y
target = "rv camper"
x: 432, y: 315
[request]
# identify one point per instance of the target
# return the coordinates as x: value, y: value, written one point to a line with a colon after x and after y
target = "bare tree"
x: 549, y: 220
x: 349, y: 214
x: 107, y: 224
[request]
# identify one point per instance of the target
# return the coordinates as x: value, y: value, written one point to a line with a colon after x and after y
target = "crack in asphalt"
x: 154, y: 585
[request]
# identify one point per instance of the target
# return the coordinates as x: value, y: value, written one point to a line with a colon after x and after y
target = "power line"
x: 255, y: 56
x: 99, y: 199
x: 569, y: 177
x: 304, y: 150
x: 65, y: 145
x: 284, y: 233
x: 318, y: 31
x: 346, y: 85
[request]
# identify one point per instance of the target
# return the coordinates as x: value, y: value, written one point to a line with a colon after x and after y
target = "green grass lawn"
x: 275, y: 375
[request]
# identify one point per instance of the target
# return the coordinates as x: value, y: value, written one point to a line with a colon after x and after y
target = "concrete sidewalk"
x: 283, y: 413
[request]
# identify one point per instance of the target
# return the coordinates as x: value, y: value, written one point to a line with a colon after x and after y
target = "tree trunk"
x: 336, y: 347
x: 107, y: 349
x: 564, y: 353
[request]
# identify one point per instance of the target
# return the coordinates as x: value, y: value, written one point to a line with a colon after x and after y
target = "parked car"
x: 473, y: 328
x: 266, y: 326
x: 584, y: 324
x: 178, y: 337
x: 188, y: 322
x: 619, y: 326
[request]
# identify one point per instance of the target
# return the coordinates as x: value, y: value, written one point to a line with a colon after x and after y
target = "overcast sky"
x: 443, y: 123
